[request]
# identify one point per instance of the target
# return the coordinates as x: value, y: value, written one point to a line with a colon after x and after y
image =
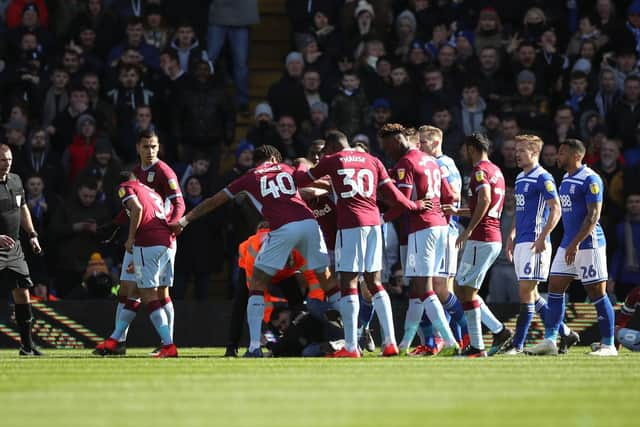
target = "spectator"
x: 327, y: 36
x: 380, y: 115
x: 231, y: 20
x: 610, y: 170
x: 319, y: 122
x: 605, y: 17
x: 402, y: 96
x: 549, y: 161
x: 85, y: 44
x: 434, y: 95
x: 624, y: 265
x: 492, y: 81
x: 452, y: 136
x: 205, y: 120
x: 349, y: 108
x: 263, y: 131
x: 417, y: 59
x: 472, y: 107
x: 286, y: 96
x: 102, y: 22
x: 191, y: 260
x: 563, y: 125
x: 507, y: 162
x: 71, y: 63
x: 288, y: 143
x: 199, y: 167
x: 587, y: 30
x: 57, y: 97
x: 313, y: 56
x: 104, y: 112
x: 405, y: 32
x: 15, y: 11
x: 452, y: 72
x: 530, y: 108
x: 625, y: 63
x: 311, y: 82
x: 608, y: 91
x: 15, y: 137
x: 440, y: 36
x: 39, y: 159
x: 30, y: 23
x: 156, y: 31
x: 64, y: 124
x: 77, y: 155
x: 135, y: 40
x: 579, y: 100
x: 187, y: 46
x: 24, y: 80
x: 503, y: 283
x: 19, y: 112
x: 105, y: 168
x: 74, y: 229
x: 488, y: 30
x: 625, y: 116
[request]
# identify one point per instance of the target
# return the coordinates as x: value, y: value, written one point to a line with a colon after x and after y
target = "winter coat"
x: 471, y: 121
x: 286, y: 96
x: 350, y: 112
x: 623, y: 121
x: 77, y: 156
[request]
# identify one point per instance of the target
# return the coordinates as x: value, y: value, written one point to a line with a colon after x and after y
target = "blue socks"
x: 554, y: 316
x: 366, y: 313
x: 454, y: 308
x: 542, y: 309
x: 427, y: 331
x: 522, y: 325
x: 606, y: 319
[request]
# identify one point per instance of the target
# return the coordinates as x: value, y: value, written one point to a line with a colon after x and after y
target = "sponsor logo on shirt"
x: 121, y: 192
x: 173, y: 184
x: 401, y: 173
x: 479, y: 176
x: 595, y: 188
x: 548, y: 185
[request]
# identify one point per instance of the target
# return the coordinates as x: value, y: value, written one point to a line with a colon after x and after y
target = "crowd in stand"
x: 80, y: 78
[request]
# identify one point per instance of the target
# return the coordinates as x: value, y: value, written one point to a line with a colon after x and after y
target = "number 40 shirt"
x: 273, y: 192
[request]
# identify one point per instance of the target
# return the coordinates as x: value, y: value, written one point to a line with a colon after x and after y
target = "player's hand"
x: 128, y: 245
x: 570, y: 254
x: 539, y: 246
x: 509, y: 249
x: 425, y: 204
x: 6, y: 242
x: 464, y: 236
x: 176, y: 228
x: 449, y: 210
x: 35, y: 245
x: 130, y: 268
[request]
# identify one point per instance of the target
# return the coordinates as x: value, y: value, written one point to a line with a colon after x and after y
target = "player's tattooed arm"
x: 588, y: 224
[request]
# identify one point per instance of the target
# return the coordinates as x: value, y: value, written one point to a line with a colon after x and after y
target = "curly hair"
x: 265, y: 152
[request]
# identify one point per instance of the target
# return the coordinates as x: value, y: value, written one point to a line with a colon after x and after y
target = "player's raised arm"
x: 208, y: 205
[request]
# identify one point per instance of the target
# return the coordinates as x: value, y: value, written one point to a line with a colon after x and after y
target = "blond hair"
x: 534, y: 142
x: 431, y: 133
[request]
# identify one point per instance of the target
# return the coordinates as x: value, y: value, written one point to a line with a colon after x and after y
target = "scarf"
x: 636, y: 34
x: 574, y: 102
x: 631, y: 256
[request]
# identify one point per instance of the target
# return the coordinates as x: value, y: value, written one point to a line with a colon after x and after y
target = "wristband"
x: 183, y: 222
x: 33, y: 235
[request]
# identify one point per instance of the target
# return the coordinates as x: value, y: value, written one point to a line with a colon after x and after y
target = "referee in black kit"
x: 14, y: 272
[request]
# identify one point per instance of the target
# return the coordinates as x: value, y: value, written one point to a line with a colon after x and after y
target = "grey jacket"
x: 234, y: 13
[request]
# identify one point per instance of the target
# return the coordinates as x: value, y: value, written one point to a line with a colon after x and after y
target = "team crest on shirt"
x: 479, y: 176
x: 151, y: 176
x: 401, y: 173
x: 173, y: 184
x: 526, y: 188
x: 548, y: 185
x: 572, y: 189
x: 121, y: 192
x: 595, y: 188
x: 18, y: 200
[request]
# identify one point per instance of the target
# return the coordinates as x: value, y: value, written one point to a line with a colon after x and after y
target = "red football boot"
x: 390, y: 350
x: 167, y: 351
x: 344, y: 353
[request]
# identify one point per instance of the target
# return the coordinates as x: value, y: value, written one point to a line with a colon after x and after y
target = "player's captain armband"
x: 173, y: 184
x: 401, y: 173
x: 479, y: 176
x: 548, y: 185
x: 595, y: 188
x: 121, y: 192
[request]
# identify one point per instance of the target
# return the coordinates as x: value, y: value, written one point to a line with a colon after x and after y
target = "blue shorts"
x: 359, y: 249
x: 425, y: 251
x: 477, y: 259
x: 305, y: 236
x: 153, y: 266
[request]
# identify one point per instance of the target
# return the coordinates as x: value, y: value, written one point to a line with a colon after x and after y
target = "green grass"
x: 70, y: 388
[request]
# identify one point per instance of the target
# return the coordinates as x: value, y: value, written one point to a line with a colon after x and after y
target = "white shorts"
x: 425, y: 251
x: 590, y: 265
x: 305, y: 236
x: 477, y: 259
x: 125, y: 276
x: 153, y: 266
x: 529, y: 265
x: 449, y: 265
x: 359, y: 249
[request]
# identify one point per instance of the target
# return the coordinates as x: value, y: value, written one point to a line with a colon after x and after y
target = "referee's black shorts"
x: 14, y: 272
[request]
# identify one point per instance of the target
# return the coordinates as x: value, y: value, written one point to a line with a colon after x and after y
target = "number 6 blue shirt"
x: 533, y: 189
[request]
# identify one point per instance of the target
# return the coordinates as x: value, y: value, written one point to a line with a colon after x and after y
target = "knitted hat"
x: 263, y: 108
x: 321, y: 107
x: 84, y: 118
x: 409, y: 16
x: 243, y: 146
x: 363, y: 6
x: 526, y: 76
x: 294, y: 56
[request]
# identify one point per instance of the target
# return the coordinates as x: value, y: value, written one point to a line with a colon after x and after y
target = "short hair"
x: 336, y: 140
x: 575, y: 75
x: 171, y: 53
x: 431, y: 133
x: 350, y: 73
x: 265, y: 152
x: 277, y: 311
x: 391, y: 129
x: 78, y: 88
x: 534, y: 142
x: 431, y: 69
x: 470, y: 83
x: 439, y: 108
x: 575, y: 146
x: 479, y: 141
x: 89, y: 182
x: 134, y: 20
x: 632, y: 77
x: 146, y: 134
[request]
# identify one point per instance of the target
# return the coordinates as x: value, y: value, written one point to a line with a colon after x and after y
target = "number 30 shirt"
x: 273, y: 192
x: 487, y: 174
x: 578, y: 190
x: 355, y: 178
x: 153, y: 229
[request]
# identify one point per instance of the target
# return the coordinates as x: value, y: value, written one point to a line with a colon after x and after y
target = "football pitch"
x: 72, y: 388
